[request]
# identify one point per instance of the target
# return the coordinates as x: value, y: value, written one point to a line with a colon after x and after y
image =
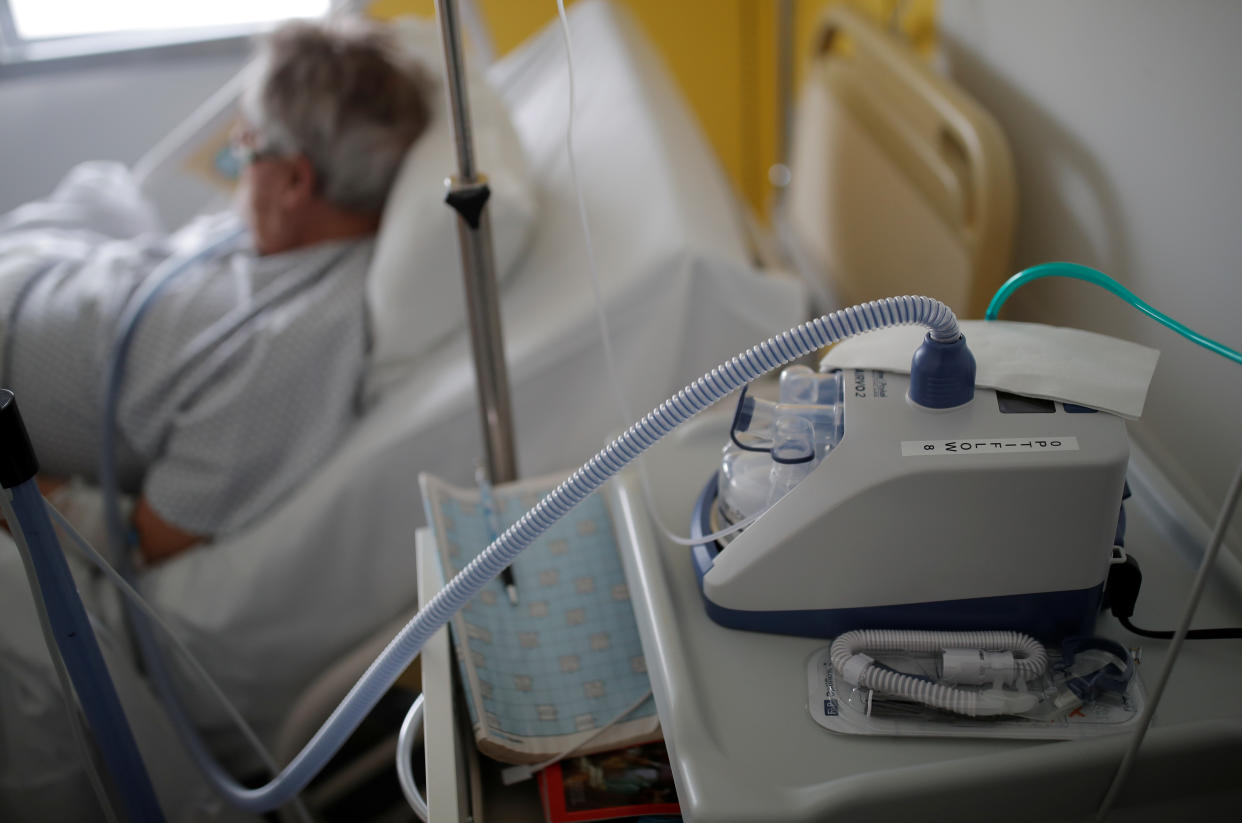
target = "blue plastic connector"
x: 942, y: 375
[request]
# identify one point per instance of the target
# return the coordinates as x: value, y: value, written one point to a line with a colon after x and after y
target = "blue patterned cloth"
x: 568, y: 657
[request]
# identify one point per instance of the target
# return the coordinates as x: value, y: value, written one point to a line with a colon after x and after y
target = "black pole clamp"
x: 17, y: 458
x: 469, y: 201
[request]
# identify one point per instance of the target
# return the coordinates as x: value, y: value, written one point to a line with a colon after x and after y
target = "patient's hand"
x: 157, y: 538
x: 47, y: 485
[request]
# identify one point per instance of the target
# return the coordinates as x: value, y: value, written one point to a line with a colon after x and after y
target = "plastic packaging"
x: 1054, y: 712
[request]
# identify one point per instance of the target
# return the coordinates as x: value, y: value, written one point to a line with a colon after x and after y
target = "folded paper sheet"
x: 1024, y: 358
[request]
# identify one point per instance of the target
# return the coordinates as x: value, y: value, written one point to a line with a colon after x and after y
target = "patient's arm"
x: 157, y: 538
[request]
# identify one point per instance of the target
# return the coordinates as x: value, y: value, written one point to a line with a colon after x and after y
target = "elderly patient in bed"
x: 245, y: 372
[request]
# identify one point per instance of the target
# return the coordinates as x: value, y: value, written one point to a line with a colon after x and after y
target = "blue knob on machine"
x: 942, y: 375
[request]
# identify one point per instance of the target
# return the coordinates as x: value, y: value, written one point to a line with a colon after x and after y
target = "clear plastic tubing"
x: 1076, y: 271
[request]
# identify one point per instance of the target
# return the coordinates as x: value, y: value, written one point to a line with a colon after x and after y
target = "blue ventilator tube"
x: 70, y: 627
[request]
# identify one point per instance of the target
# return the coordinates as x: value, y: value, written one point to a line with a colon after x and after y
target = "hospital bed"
x: 270, y: 608
x: 899, y: 180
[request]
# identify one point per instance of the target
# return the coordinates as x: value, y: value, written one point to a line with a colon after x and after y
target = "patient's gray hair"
x: 342, y: 93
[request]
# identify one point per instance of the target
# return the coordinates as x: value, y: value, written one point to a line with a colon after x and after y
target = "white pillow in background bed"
x: 414, y: 292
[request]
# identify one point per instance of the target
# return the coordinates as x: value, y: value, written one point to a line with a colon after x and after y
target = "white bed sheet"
x: 269, y: 609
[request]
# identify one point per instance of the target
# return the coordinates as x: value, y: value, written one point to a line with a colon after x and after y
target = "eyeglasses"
x: 246, y: 147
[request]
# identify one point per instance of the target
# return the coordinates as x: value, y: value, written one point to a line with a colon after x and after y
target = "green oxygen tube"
x: 1077, y: 271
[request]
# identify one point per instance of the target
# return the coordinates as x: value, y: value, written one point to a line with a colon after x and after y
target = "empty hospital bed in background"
x: 900, y: 182
x: 268, y: 609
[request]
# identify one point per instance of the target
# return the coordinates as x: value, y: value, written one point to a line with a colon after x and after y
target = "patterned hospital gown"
x: 219, y: 419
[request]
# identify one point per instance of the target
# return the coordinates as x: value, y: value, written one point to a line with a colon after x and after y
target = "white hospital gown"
x: 224, y: 410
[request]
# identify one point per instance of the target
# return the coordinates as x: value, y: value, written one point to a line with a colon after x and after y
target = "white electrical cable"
x: 1030, y: 660
x: 88, y: 551
x: 623, y: 407
x: 606, y: 337
x: 411, y: 730
x: 1175, y: 647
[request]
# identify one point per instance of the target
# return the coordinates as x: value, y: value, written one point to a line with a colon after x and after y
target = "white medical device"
x: 996, y: 514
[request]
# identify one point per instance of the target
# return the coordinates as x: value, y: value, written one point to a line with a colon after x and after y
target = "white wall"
x: 1126, y: 124
x: 52, y: 117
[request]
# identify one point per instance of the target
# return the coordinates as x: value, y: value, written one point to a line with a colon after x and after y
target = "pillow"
x: 414, y: 291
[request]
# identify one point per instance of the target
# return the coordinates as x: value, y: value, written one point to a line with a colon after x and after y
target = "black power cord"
x: 1121, y: 593
x: 1193, y: 634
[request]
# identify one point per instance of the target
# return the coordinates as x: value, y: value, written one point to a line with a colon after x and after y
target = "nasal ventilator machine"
x: 911, y: 502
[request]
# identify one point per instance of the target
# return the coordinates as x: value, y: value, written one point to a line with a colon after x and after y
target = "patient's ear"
x: 300, y: 181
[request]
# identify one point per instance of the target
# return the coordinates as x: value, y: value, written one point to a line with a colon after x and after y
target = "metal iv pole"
x: 467, y: 195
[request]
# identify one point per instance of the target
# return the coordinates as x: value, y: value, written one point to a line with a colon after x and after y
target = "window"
x: 42, y: 29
